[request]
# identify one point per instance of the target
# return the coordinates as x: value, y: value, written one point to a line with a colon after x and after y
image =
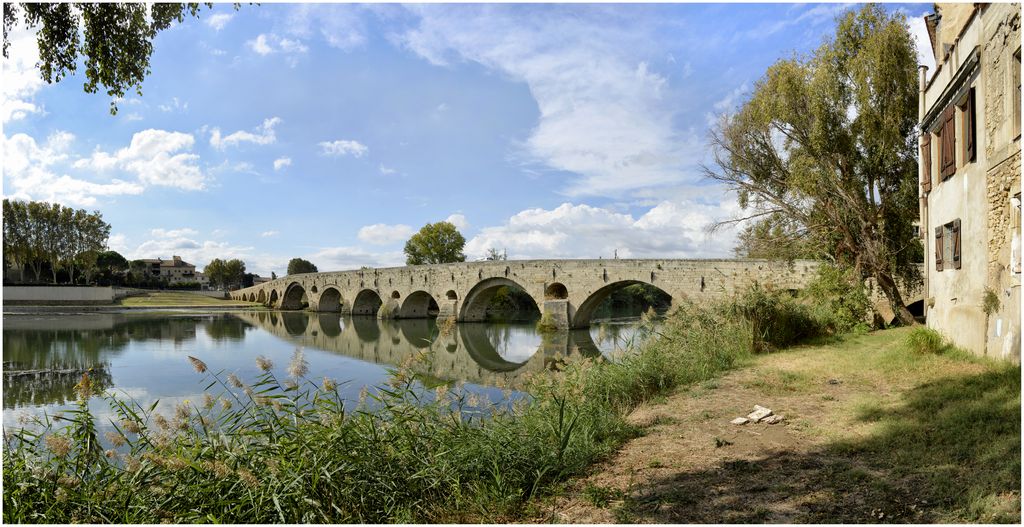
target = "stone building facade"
x: 970, y: 177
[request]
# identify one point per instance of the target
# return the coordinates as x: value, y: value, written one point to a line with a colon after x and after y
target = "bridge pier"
x: 557, y: 311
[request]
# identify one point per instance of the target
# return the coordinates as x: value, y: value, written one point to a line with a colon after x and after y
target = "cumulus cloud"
x: 383, y: 234
x: 346, y: 258
x: 267, y: 234
x: 263, y: 135
x: 156, y: 157
x: 173, y: 105
x: 219, y: 20
x: 343, y: 147
x: 187, y: 244
x: 29, y: 172
x: 458, y: 220
x: 282, y: 162
x: 603, y: 116
x: 670, y: 229
x: 339, y: 25
x: 268, y: 43
x: 21, y: 77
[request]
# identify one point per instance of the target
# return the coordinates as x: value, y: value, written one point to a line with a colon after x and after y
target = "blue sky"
x: 333, y: 132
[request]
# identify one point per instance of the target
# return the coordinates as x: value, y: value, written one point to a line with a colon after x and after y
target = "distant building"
x: 970, y: 176
x: 173, y: 271
x: 257, y: 279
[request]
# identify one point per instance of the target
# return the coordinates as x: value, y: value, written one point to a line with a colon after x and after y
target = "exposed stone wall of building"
x: 1003, y: 33
x: 1003, y: 183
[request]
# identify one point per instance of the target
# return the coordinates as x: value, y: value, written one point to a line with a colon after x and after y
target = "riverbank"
x: 147, y: 301
x: 872, y: 433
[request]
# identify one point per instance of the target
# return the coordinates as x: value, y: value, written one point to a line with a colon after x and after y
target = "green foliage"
x: 546, y: 324
x: 990, y: 302
x: 114, y: 40
x: 435, y: 243
x: 776, y: 320
x: 300, y: 266
x: 823, y: 153
x: 227, y: 274
x: 840, y: 299
x: 927, y: 341
x: 38, y: 233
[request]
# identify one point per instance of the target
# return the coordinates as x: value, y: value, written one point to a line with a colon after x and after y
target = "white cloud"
x: 157, y: 157
x: 919, y: 34
x: 219, y: 20
x: 346, y: 258
x: 341, y: 26
x: 343, y: 147
x: 385, y: 171
x: 21, y: 78
x: 383, y: 234
x: 670, y: 229
x: 602, y: 112
x: 187, y: 244
x: 268, y: 234
x: 174, y: 105
x: 29, y: 173
x: 458, y: 220
x: 282, y: 162
x: 264, y: 135
x: 726, y: 105
x: 173, y: 233
x: 133, y: 116
x: 267, y: 43
x: 818, y: 14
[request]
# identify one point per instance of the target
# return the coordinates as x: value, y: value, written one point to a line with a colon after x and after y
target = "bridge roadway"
x: 568, y: 291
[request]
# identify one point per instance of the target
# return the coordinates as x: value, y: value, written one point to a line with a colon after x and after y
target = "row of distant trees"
x: 40, y: 235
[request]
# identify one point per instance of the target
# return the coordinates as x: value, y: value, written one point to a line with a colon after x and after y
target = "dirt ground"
x: 825, y: 462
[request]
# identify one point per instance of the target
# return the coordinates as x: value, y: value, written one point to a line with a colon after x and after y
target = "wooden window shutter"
x: 947, y: 149
x: 926, y: 162
x: 969, y: 129
x: 938, y: 248
x: 956, y: 244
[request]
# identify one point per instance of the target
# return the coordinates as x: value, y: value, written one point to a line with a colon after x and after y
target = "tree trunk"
x: 892, y: 293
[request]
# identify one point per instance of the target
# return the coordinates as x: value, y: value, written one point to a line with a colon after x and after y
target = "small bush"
x: 776, y: 320
x: 926, y: 341
x: 546, y: 324
x: 839, y: 300
x: 990, y: 302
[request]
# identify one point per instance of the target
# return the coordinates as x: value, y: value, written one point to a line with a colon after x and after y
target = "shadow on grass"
x: 949, y: 453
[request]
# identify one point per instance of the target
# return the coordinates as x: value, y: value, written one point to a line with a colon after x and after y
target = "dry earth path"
x: 872, y: 433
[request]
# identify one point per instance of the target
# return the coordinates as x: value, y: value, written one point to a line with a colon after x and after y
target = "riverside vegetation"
x: 289, y: 450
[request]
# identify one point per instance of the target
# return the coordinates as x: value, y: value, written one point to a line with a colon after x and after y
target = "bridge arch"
x: 273, y: 298
x: 474, y: 304
x: 295, y: 324
x: 585, y: 311
x: 262, y: 297
x: 366, y: 302
x: 330, y: 300
x: 556, y: 291
x: 294, y: 297
x: 419, y: 304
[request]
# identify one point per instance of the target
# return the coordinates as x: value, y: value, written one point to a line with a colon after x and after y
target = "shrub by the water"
x: 289, y: 450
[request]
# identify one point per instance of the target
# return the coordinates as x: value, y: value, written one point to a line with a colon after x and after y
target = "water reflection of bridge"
x: 468, y: 352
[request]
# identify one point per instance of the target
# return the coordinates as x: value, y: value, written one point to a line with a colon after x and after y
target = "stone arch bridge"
x: 569, y: 291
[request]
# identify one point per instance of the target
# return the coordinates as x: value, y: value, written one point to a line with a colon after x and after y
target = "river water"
x: 145, y: 356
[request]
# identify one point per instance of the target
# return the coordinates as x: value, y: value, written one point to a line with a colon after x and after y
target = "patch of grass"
x: 177, y: 298
x: 781, y: 382
x: 655, y: 463
x: 601, y: 497
x: 925, y: 340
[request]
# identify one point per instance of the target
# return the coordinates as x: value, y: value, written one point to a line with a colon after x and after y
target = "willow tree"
x: 822, y: 154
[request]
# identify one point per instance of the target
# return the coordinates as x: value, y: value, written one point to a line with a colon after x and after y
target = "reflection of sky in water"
x: 514, y: 342
x: 146, y: 356
x: 616, y: 334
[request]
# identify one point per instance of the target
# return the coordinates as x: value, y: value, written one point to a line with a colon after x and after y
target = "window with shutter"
x: 926, y: 162
x: 938, y: 248
x: 947, y: 149
x: 955, y: 230
x: 967, y: 124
